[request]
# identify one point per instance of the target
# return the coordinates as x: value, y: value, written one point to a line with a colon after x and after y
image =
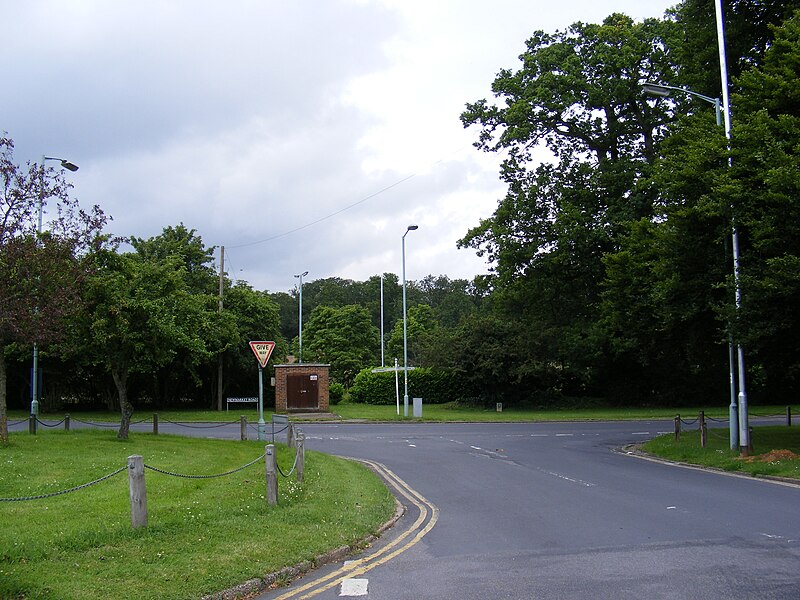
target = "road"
x: 555, y: 510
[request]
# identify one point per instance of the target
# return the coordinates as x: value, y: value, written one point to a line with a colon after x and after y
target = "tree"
x: 40, y: 274
x: 343, y: 337
x: 578, y: 95
x: 142, y: 316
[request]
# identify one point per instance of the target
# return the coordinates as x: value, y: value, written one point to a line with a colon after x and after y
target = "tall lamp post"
x: 300, y: 316
x: 738, y: 418
x: 65, y: 164
x: 405, y: 324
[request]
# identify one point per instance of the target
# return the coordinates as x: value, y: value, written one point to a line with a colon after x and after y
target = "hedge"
x: 434, y: 386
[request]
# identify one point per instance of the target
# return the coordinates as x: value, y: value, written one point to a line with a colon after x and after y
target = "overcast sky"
x: 302, y: 136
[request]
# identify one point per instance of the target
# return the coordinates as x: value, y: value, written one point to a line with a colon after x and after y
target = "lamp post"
x: 405, y: 324
x: 300, y: 317
x: 382, y: 337
x: 738, y: 418
x: 65, y: 164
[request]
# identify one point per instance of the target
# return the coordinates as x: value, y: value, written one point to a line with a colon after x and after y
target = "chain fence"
x: 242, y: 468
x: 62, y: 492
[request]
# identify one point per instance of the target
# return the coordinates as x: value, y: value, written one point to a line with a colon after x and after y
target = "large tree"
x: 577, y: 95
x: 40, y: 273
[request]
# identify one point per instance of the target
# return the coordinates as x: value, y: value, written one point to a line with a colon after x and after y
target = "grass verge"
x: 776, y: 451
x: 450, y: 412
x: 204, y: 535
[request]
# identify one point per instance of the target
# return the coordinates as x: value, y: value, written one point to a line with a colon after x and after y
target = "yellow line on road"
x: 385, y: 554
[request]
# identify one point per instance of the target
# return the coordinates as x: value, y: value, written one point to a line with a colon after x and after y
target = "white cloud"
x: 248, y: 120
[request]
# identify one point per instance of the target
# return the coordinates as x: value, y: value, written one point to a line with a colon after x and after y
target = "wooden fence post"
x: 138, y: 491
x: 32, y: 424
x: 301, y: 456
x: 290, y: 437
x: 788, y: 416
x: 677, y: 428
x: 703, y: 430
x: 272, y: 476
x: 155, y: 424
x: 66, y: 422
x: 243, y: 426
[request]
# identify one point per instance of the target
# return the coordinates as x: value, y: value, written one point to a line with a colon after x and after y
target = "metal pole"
x: 382, y: 354
x: 261, y: 423
x: 744, y: 431
x: 300, y: 318
x: 405, y: 324
x: 219, y: 359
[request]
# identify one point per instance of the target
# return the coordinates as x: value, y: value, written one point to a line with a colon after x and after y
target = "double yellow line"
x: 383, y: 555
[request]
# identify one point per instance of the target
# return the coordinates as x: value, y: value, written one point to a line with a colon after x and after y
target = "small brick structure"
x: 301, y: 387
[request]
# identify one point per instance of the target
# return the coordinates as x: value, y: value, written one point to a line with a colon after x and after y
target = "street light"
x: 405, y: 324
x: 35, y: 375
x: 300, y: 316
x: 739, y: 435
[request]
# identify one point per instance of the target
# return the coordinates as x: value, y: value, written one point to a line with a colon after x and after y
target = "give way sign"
x: 262, y: 350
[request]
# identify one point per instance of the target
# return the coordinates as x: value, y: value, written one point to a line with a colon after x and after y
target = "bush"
x: 335, y: 393
x: 434, y: 386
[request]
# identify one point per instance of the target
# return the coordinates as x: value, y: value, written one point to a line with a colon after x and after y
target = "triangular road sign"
x: 262, y: 350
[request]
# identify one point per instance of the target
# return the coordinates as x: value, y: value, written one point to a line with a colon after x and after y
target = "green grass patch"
x: 776, y: 451
x: 204, y: 535
x: 450, y: 412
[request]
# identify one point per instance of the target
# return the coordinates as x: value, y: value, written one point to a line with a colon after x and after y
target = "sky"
x: 301, y: 136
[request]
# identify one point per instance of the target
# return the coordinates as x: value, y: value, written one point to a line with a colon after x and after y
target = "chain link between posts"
x: 74, y: 489
x: 243, y: 467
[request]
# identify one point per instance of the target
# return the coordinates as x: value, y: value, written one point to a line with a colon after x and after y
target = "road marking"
x: 354, y: 587
x: 564, y: 434
x: 641, y: 433
x: 412, y: 445
x: 357, y: 567
x: 565, y: 478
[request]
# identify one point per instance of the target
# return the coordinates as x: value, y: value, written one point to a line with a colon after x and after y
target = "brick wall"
x: 282, y: 373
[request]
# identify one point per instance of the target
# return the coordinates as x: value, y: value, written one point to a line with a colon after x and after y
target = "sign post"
x: 262, y: 350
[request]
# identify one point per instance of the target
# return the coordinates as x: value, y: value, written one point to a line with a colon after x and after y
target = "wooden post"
x: 138, y: 491
x: 301, y: 456
x: 155, y: 424
x: 290, y: 438
x: 677, y: 428
x: 66, y: 422
x: 243, y: 426
x: 703, y: 430
x: 32, y: 424
x: 788, y: 416
x: 272, y: 476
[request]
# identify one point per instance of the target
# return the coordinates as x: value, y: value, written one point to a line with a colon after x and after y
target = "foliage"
x: 434, y: 386
x: 41, y: 273
x: 342, y: 337
x: 336, y: 392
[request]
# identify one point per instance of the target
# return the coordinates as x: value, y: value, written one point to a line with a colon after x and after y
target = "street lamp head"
x: 303, y: 274
x: 412, y: 227
x: 69, y: 166
x: 655, y: 89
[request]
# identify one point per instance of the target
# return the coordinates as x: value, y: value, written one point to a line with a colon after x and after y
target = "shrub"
x: 335, y: 392
x: 434, y: 386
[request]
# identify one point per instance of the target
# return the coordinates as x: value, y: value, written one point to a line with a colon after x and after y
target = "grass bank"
x: 451, y: 412
x: 776, y: 451
x: 204, y: 535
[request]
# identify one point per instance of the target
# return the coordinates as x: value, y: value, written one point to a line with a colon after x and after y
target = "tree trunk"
x: 121, y: 381
x: 3, y: 391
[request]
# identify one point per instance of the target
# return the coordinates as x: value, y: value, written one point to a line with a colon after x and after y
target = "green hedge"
x: 434, y: 386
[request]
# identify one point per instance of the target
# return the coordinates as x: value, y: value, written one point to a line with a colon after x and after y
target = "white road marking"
x: 570, y: 479
x: 475, y: 447
x: 641, y: 433
x: 671, y: 507
x: 564, y: 434
x: 354, y: 587
x: 412, y: 445
x: 540, y: 435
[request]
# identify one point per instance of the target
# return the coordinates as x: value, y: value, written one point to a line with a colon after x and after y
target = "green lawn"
x: 451, y: 412
x: 776, y: 451
x: 204, y: 535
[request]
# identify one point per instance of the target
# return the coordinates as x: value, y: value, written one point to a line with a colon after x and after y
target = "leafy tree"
x: 142, y: 316
x: 577, y: 94
x: 420, y: 325
x: 40, y: 274
x: 343, y: 337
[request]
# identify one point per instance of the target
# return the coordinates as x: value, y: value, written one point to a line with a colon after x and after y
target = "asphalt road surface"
x: 551, y: 511
x: 556, y: 511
